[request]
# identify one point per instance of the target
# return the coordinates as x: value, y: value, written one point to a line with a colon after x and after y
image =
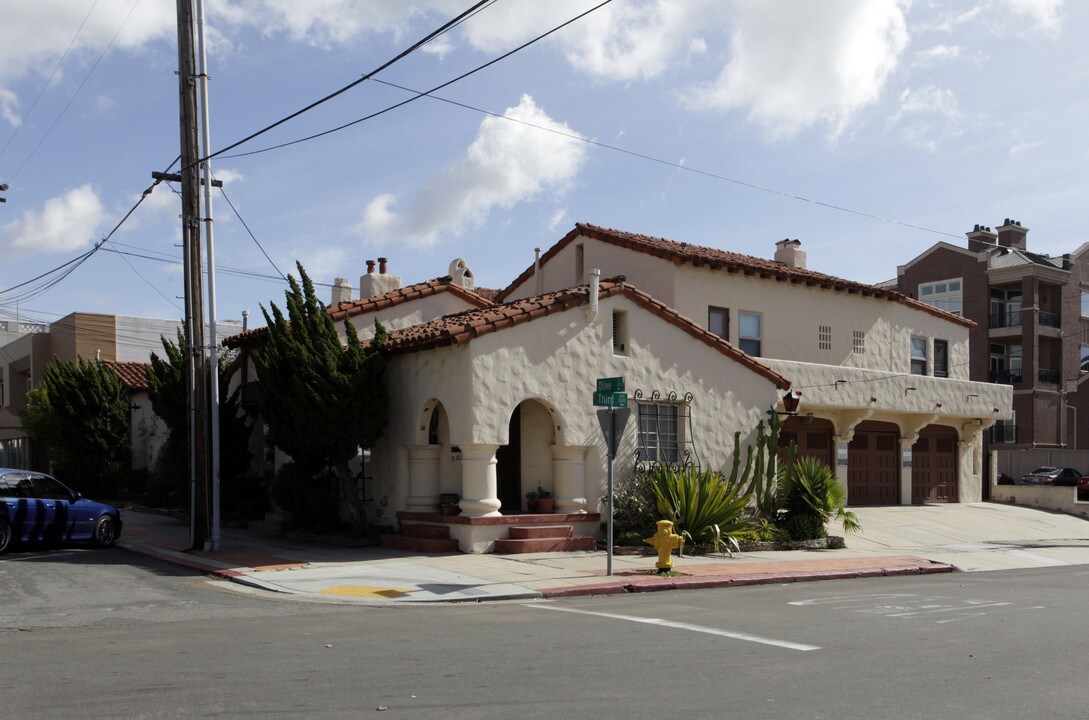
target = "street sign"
x: 612, y: 426
x: 611, y: 399
x: 610, y: 385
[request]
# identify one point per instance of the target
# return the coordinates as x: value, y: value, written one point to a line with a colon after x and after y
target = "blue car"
x: 38, y: 508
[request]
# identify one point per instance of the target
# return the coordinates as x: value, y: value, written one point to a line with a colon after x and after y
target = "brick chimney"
x: 1012, y: 235
x: 980, y: 238
x: 377, y: 283
x: 789, y: 252
x: 342, y: 291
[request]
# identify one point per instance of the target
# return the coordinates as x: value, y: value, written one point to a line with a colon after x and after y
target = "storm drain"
x: 364, y: 591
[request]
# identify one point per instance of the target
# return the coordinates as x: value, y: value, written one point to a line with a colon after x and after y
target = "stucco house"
x: 495, y: 398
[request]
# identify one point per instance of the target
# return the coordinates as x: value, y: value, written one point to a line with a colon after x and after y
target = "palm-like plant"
x: 810, y: 497
x: 703, y: 506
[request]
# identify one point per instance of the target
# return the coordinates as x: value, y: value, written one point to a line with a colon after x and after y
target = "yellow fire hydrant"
x: 665, y: 541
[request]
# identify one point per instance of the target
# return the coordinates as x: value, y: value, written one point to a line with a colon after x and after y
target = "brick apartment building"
x: 1031, y: 313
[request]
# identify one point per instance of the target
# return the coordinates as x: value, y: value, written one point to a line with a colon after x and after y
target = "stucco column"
x: 905, y: 469
x: 569, y: 478
x: 969, y: 471
x: 840, y: 460
x: 479, y: 489
x: 423, y: 478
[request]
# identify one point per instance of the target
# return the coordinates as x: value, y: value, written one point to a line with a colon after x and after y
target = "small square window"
x: 718, y: 321
x: 620, y: 332
x: 918, y: 356
x: 941, y: 358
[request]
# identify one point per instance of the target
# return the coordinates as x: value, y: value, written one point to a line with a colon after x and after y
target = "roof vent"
x: 461, y: 274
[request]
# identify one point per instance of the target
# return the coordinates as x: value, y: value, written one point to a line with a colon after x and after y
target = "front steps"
x: 421, y: 539
x: 543, y: 538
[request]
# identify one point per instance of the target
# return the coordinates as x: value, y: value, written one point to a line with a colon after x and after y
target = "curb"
x: 702, y: 583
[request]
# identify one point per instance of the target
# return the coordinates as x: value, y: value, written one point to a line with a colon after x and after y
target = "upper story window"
x: 918, y: 356
x: 580, y: 263
x: 1084, y: 361
x: 941, y: 358
x: 824, y: 337
x: 1084, y: 303
x: 1005, y: 308
x: 718, y: 321
x: 943, y: 294
x: 620, y: 332
x: 749, y: 332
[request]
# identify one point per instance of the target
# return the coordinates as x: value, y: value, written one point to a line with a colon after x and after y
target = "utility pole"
x: 196, y: 372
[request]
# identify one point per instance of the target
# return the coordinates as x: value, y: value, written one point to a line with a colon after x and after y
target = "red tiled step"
x: 419, y: 544
x: 547, y: 544
x: 529, y: 532
x: 418, y: 530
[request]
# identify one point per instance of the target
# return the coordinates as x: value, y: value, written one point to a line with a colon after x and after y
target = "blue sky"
x: 936, y: 115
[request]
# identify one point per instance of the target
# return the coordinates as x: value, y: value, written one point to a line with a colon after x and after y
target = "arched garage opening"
x: 934, y: 466
x: 812, y: 437
x: 873, y: 465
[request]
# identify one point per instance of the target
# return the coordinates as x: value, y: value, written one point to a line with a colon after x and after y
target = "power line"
x: 48, y: 80
x: 400, y: 56
x: 252, y: 236
x: 417, y: 96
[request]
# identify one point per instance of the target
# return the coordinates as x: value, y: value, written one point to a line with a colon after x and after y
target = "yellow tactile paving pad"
x: 365, y: 591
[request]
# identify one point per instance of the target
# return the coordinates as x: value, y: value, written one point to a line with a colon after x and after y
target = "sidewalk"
x: 379, y: 575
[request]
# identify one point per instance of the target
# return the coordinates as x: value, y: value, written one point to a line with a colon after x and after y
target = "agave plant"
x: 704, y: 506
x: 810, y: 497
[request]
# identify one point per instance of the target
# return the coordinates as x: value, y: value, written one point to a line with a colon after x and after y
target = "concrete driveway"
x: 974, y: 536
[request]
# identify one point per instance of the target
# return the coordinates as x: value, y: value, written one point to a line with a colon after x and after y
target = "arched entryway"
x: 873, y: 465
x: 524, y: 464
x: 934, y: 466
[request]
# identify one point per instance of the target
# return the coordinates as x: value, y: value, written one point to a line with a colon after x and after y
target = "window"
x: 858, y: 340
x: 824, y: 337
x: 748, y: 333
x: 1084, y: 303
x: 941, y: 358
x: 718, y: 321
x: 1004, y: 431
x: 620, y: 332
x: 1005, y: 308
x: 580, y: 264
x: 1084, y: 360
x: 918, y: 356
x: 658, y: 441
x: 943, y: 294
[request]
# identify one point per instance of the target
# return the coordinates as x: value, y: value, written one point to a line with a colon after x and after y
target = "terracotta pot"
x: 450, y: 510
x: 545, y: 505
x: 532, y: 505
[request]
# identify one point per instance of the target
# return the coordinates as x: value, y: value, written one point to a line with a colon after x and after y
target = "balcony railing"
x: 1049, y: 319
x: 1006, y: 377
x: 1004, y: 433
x: 1049, y: 376
x: 1009, y: 318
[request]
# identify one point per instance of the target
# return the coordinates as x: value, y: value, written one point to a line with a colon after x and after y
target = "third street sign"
x: 611, y: 399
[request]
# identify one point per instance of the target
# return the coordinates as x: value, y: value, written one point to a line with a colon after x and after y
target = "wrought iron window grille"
x: 664, y: 434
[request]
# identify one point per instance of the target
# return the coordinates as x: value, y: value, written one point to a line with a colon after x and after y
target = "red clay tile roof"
x: 715, y: 259
x: 460, y: 328
x: 378, y: 302
x: 133, y: 374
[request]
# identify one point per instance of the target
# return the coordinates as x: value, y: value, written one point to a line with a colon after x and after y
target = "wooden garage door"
x: 873, y: 465
x: 934, y: 466
x: 813, y: 439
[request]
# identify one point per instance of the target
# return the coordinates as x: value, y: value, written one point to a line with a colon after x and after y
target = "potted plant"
x: 531, y: 501
x: 448, y: 503
x: 544, y: 500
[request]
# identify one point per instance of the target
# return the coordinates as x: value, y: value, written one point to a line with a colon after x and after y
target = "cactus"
x: 761, y: 464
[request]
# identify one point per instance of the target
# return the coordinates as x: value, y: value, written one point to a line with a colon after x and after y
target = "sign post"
x: 613, y: 416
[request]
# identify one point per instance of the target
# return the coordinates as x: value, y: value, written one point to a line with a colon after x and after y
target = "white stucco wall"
x: 556, y: 360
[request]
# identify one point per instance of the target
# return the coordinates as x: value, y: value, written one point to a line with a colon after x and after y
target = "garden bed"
x: 833, y: 542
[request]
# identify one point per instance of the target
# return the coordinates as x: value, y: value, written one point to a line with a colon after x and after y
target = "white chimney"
x: 342, y: 291
x: 461, y: 274
x: 594, y: 290
x: 790, y: 253
x: 377, y: 283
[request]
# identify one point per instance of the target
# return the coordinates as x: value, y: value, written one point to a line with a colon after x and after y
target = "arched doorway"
x: 525, y: 462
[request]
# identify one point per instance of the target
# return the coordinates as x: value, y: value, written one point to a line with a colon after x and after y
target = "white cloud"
x: 64, y: 224
x: 321, y: 22
x: 558, y: 218
x: 9, y: 107
x: 928, y: 117
x: 938, y: 53
x: 321, y: 261
x: 1043, y: 13
x: 508, y: 163
x: 819, y: 64
x: 1023, y: 147
x: 227, y: 175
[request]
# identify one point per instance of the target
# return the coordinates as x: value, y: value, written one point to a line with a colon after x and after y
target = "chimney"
x: 461, y: 275
x: 789, y: 252
x: 377, y: 283
x: 980, y: 238
x: 1012, y: 235
x: 342, y: 291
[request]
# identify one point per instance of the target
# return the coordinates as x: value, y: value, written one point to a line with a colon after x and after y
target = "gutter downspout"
x: 595, y: 284
x: 537, y: 270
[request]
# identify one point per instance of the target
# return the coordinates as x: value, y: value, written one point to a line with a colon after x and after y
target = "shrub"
x: 704, y: 506
x: 809, y: 498
x: 635, y: 510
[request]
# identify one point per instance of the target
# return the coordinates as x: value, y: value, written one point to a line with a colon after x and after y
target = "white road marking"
x: 686, y: 626
x: 849, y: 599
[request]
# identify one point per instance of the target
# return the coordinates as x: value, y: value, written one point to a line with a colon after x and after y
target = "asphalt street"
x: 119, y: 636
